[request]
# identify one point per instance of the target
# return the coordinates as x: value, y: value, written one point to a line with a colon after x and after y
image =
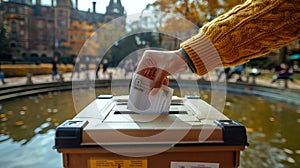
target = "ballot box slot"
x: 121, y: 103
x: 177, y: 104
x: 132, y: 112
x: 172, y: 103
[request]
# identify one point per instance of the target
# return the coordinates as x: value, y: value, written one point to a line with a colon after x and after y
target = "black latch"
x: 69, y: 134
x: 234, y: 133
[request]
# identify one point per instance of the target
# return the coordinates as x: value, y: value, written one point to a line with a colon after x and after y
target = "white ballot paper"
x: 141, y: 101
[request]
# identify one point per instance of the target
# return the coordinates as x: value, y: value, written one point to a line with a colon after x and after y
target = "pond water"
x: 28, y: 129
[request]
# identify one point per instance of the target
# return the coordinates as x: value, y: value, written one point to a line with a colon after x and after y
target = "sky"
x: 131, y: 6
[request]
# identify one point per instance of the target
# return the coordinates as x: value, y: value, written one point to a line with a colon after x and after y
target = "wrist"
x: 187, y: 59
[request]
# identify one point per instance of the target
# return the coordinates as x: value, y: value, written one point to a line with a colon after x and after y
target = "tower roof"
x: 115, y: 7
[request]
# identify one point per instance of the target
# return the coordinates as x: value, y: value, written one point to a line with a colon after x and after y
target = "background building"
x: 36, y: 31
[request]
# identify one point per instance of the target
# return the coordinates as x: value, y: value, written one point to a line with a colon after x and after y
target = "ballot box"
x: 193, y: 134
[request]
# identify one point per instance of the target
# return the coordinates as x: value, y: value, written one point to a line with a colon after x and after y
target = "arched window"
x: 13, y: 25
x: 14, y: 35
x: 116, y: 10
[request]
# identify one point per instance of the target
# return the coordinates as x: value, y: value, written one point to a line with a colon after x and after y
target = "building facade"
x: 36, y: 30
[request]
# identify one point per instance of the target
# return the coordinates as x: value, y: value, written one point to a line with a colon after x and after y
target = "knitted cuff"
x: 202, y: 53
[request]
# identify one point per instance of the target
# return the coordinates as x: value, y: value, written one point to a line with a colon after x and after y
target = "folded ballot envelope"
x: 142, y: 101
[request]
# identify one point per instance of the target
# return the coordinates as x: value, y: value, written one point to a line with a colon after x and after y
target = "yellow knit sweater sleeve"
x: 247, y: 31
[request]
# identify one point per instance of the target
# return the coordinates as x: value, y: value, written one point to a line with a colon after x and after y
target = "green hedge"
x: 23, y: 70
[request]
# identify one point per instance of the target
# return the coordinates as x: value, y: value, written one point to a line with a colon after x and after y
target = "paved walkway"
x: 119, y: 74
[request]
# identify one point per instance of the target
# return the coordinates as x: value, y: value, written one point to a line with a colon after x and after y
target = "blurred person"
x: 225, y: 71
x: 252, y: 72
x: 104, y: 67
x: 128, y: 67
x: 98, y: 67
x: 13, y: 60
x: 87, y: 63
x: 87, y: 67
x: 76, y: 67
x: 283, y: 72
x: 54, y: 68
x: 2, y: 76
x: 247, y: 31
x: 295, y: 66
x: 237, y: 70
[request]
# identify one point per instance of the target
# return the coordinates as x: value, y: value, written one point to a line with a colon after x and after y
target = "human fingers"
x: 160, y: 78
x: 147, y: 72
x: 166, y: 81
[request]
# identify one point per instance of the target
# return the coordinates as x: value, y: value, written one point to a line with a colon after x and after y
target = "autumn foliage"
x: 196, y: 11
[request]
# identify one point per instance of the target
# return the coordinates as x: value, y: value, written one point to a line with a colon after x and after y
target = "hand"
x: 160, y: 64
x: 150, y: 74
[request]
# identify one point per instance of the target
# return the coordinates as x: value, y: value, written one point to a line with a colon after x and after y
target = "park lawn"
x: 296, y: 76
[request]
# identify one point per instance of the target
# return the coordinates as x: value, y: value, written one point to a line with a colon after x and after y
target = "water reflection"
x: 28, y: 127
x: 35, y: 154
x: 272, y: 131
x: 23, y: 118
